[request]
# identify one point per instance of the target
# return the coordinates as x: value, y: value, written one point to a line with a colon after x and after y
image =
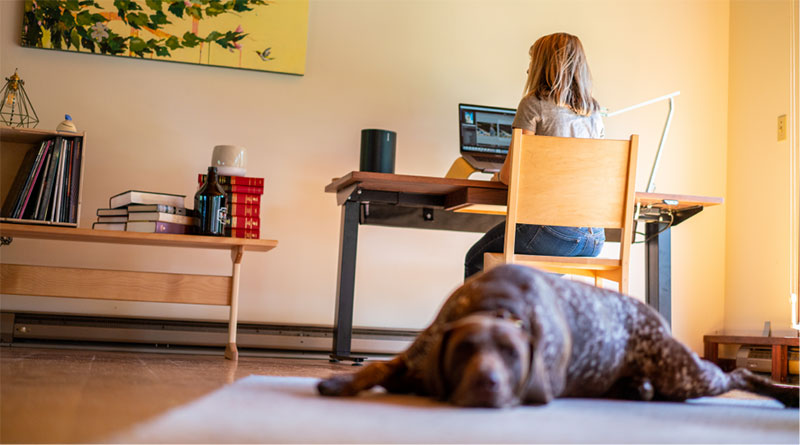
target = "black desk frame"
x: 423, y: 211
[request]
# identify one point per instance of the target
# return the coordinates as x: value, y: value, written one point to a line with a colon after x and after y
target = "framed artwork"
x: 263, y: 35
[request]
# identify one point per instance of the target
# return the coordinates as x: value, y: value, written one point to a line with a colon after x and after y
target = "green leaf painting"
x: 264, y: 35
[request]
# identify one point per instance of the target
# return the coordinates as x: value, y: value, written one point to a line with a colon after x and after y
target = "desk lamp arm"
x: 651, y: 185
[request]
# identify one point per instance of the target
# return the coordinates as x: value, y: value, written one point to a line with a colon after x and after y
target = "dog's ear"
x: 537, y: 388
x: 435, y: 381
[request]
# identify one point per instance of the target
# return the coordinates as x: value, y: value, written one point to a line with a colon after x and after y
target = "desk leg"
x: 345, y: 288
x: 659, y: 274
x: 231, y: 352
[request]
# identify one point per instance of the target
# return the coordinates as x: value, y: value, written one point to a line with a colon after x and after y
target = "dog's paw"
x: 790, y: 397
x: 337, y: 386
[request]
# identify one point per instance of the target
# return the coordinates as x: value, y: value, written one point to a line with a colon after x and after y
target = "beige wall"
x: 757, y: 278
x: 398, y: 65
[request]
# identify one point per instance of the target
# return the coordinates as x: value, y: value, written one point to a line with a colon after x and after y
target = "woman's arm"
x: 505, y: 172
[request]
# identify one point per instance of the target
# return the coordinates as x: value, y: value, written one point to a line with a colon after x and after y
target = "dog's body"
x: 517, y: 335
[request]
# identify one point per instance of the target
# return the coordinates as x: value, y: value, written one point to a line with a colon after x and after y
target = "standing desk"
x: 385, y: 199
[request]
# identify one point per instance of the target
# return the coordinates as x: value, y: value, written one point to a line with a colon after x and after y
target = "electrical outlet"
x: 782, y: 127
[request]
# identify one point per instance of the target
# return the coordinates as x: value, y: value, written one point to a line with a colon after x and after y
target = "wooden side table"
x: 780, y: 350
x: 127, y: 285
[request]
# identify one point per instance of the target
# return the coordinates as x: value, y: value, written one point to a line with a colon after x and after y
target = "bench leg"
x: 780, y: 363
x: 231, y: 353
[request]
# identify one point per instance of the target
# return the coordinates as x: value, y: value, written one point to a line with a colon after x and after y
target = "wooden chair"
x: 571, y: 182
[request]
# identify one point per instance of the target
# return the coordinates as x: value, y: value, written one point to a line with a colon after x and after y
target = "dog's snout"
x: 489, y: 379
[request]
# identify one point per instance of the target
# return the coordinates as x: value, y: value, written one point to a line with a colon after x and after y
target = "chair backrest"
x: 572, y: 182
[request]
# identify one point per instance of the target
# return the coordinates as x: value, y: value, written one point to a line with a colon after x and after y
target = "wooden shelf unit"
x: 14, y: 143
x: 126, y: 285
x: 780, y: 350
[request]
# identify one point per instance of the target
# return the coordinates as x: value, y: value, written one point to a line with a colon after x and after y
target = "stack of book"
x: 244, y: 204
x: 137, y: 211
x: 46, y: 187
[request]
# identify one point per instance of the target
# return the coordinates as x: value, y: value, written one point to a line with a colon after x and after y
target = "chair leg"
x: 623, y: 281
x: 598, y: 281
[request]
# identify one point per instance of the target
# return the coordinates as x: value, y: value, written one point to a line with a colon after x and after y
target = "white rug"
x: 261, y: 409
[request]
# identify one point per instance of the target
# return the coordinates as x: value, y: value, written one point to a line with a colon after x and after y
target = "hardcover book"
x: 45, y: 211
x: 158, y: 227
x: 244, y: 210
x: 109, y: 226
x: 243, y: 189
x: 234, y: 180
x: 112, y: 219
x: 136, y: 208
x: 242, y: 233
x: 242, y: 198
x: 158, y: 216
x: 244, y: 222
x: 139, y: 197
x: 75, y: 174
x: 123, y: 211
x: 23, y: 206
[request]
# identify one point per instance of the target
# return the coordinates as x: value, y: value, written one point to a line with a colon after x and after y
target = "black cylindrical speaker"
x: 377, y: 150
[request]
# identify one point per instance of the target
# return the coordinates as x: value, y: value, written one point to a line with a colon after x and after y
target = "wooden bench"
x: 68, y: 282
x: 780, y: 350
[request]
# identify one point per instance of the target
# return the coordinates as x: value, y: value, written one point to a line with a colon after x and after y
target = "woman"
x: 557, y: 101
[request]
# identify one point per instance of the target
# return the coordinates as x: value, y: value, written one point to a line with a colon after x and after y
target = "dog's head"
x: 484, y: 360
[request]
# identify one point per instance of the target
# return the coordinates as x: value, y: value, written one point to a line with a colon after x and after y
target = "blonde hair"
x: 560, y: 74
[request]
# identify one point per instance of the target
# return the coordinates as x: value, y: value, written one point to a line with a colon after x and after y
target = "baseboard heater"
x: 21, y: 327
x: 759, y: 358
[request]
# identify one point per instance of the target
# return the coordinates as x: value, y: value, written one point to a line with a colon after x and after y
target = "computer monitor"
x: 485, y: 135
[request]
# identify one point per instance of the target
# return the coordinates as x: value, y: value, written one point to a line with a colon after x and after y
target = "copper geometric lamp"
x: 16, y: 108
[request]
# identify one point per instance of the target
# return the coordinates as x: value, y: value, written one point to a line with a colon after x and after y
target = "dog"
x: 516, y: 335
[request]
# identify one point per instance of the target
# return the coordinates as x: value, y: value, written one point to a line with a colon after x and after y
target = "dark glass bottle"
x: 211, y: 206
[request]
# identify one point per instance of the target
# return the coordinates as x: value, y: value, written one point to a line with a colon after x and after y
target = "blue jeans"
x: 534, y: 239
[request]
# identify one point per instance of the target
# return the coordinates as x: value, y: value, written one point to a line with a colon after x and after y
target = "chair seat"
x: 588, y: 263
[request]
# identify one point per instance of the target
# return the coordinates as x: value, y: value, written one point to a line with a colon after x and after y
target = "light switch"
x: 782, y: 127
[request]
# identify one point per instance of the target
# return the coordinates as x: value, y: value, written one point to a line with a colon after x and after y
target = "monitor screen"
x: 485, y: 129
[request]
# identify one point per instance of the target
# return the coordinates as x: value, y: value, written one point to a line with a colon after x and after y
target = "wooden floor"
x: 68, y: 396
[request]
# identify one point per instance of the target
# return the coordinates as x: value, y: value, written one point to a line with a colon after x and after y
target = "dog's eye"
x: 508, y: 351
x: 465, y: 349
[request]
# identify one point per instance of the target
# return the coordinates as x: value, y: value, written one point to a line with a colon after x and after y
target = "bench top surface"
x: 135, y: 238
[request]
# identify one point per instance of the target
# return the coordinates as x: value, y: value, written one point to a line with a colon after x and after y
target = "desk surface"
x: 496, y: 190
x: 137, y: 238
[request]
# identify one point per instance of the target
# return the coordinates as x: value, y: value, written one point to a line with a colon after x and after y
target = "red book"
x: 235, y: 180
x: 243, y: 198
x: 244, y: 210
x: 242, y: 233
x: 244, y: 222
x: 243, y: 189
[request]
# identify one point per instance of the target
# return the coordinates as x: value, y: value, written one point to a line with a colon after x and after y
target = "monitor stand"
x: 461, y: 169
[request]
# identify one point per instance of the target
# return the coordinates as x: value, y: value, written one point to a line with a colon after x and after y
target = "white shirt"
x: 548, y: 119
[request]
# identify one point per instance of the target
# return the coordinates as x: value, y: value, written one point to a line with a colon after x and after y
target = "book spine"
x: 45, y: 175
x: 243, y: 198
x: 56, y: 210
x: 76, y: 179
x: 166, y: 227
x: 50, y: 184
x: 244, y: 210
x: 19, y: 182
x: 242, y: 233
x: 233, y: 180
x: 244, y: 222
x: 245, y: 189
x: 161, y: 208
x: 67, y: 183
x: 36, y: 181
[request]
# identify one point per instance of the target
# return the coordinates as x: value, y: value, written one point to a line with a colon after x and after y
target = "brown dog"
x: 517, y: 335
